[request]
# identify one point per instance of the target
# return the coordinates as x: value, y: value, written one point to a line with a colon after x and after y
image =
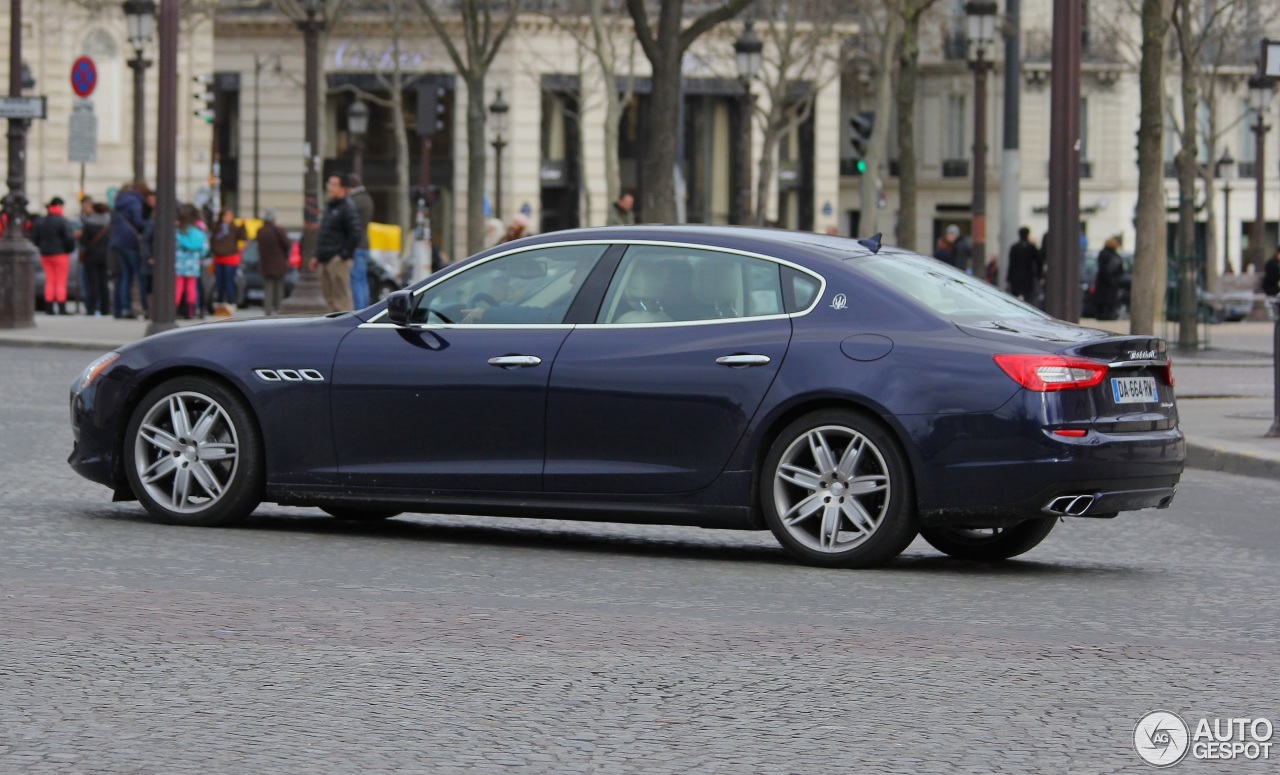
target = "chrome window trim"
x: 822, y: 283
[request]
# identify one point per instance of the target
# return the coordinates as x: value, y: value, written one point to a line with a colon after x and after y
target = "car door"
x: 654, y: 396
x: 457, y: 399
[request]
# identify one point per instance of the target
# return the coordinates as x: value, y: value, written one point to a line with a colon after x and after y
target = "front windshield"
x: 944, y: 289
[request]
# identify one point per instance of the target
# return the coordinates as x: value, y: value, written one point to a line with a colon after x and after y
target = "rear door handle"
x: 515, y: 361
x: 742, y: 360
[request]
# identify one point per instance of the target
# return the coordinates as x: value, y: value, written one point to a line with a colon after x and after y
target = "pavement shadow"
x: 621, y: 539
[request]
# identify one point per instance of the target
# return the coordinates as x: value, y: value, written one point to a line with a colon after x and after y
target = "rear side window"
x: 658, y: 284
x: 799, y: 289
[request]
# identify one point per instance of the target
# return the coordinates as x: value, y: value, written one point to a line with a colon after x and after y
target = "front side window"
x: 531, y: 287
x: 664, y: 284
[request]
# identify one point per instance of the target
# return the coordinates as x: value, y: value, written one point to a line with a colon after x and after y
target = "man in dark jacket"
x: 93, y: 236
x: 336, y: 245
x: 55, y: 241
x: 127, y: 225
x: 360, y: 268
x: 1107, y: 283
x: 273, y: 261
x: 1271, y: 276
x: 1024, y: 267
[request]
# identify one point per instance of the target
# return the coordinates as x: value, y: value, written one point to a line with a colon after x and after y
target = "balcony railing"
x: 955, y: 168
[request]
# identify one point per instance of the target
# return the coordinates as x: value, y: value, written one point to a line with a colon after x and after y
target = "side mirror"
x: 399, y: 303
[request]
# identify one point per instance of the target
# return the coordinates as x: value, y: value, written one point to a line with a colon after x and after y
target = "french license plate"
x: 1134, y: 390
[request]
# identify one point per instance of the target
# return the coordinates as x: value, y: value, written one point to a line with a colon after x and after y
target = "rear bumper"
x: 980, y: 473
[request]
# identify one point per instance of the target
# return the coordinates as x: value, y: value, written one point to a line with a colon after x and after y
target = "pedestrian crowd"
x: 115, y: 244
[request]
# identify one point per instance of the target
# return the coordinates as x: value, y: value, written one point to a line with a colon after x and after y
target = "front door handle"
x: 515, y: 361
x: 742, y: 360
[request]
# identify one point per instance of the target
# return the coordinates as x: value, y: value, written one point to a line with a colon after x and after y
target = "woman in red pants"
x: 53, y: 237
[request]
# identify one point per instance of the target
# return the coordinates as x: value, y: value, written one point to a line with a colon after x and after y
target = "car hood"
x: 1058, y: 336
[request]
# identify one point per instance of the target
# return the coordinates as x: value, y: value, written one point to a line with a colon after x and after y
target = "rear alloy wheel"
x: 988, y: 544
x: 192, y: 454
x: 359, y: 515
x: 836, y: 491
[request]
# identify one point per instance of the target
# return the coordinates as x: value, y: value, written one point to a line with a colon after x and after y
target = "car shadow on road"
x: 625, y: 539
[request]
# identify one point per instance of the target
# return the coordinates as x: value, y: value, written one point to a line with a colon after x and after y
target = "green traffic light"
x: 860, y: 166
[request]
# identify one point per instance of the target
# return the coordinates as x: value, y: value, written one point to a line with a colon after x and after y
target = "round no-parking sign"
x: 84, y: 76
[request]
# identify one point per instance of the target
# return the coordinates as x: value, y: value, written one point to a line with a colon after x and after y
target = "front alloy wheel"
x: 192, y: 454
x: 837, y: 491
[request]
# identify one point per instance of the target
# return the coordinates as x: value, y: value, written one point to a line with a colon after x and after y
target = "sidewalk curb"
x: 61, y: 344
x: 1215, y: 457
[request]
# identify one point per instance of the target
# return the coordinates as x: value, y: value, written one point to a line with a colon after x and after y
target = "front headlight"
x: 94, y: 370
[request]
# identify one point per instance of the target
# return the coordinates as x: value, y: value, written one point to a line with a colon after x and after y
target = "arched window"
x: 101, y: 46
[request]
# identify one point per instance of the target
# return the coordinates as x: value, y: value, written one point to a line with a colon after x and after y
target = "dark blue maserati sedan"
x: 846, y: 397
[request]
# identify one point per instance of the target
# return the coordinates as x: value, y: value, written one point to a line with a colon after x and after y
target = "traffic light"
x: 430, y: 118
x: 204, y: 97
x: 861, y: 124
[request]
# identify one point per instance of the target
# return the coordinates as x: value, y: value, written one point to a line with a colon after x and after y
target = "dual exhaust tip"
x: 1069, y: 505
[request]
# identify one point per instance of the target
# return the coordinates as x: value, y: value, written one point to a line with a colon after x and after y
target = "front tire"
x: 836, y: 491
x: 989, y: 544
x: 192, y: 454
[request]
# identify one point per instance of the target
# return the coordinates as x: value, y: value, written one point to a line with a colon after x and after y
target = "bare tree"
x: 394, y: 80
x: 881, y: 27
x: 908, y: 71
x: 802, y: 55
x: 664, y: 45
x: 482, y: 36
x: 1146, y: 302
x: 597, y: 27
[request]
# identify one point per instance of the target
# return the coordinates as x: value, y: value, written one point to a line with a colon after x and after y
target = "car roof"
x: 779, y: 243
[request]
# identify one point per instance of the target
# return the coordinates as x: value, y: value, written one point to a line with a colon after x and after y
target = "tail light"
x: 1046, y: 373
x: 1167, y: 372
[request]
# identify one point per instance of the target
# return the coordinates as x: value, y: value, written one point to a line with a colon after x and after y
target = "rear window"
x: 945, y: 289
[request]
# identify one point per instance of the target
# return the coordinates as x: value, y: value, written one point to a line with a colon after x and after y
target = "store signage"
x: 354, y: 55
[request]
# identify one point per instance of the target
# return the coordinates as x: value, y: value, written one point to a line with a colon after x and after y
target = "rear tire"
x: 989, y: 544
x: 836, y: 491
x: 193, y: 454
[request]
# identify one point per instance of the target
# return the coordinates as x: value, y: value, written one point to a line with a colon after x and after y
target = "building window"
x: 955, y: 136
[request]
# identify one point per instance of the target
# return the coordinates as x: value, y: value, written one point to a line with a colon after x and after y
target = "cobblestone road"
x: 298, y: 644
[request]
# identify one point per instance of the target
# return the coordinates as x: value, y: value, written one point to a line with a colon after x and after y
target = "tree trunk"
x: 908, y: 61
x: 403, y: 219
x: 476, y: 155
x: 1146, y: 303
x: 612, y: 130
x: 1187, y: 174
x: 768, y: 150
x: 869, y: 185
x: 659, y: 189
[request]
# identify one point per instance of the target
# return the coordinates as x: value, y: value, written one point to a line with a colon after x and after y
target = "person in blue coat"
x: 128, y: 222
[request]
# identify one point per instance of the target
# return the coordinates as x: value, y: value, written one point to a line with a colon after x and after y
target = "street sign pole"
x: 17, y: 254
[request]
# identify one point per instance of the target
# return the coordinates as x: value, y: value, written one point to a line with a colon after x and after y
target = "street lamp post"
x: 747, y: 53
x: 498, y: 111
x: 306, y: 297
x: 140, y: 19
x: 163, y: 305
x: 1226, y: 170
x: 17, y: 254
x: 1062, y: 246
x: 982, y: 22
x: 1260, y: 90
x: 358, y: 126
